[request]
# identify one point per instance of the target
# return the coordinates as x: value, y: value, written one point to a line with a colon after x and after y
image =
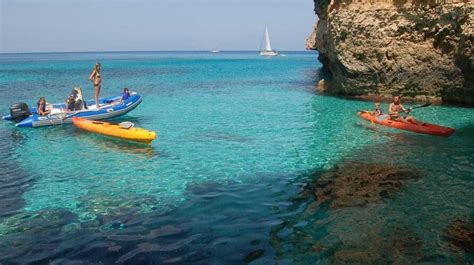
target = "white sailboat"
x: 267, y: 47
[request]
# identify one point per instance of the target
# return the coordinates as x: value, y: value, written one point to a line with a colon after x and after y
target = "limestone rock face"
x: 311, y: 40
x: 421, y: 49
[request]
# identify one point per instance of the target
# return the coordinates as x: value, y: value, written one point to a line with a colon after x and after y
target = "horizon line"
x: 122, y: 51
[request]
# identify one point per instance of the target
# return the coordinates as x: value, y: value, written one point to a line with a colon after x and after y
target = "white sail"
x: 267, y: 47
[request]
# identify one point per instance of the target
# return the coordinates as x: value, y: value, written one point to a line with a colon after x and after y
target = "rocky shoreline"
x: 422, y: 50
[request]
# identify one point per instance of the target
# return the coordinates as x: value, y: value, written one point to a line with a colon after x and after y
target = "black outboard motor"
x: 19, y: 112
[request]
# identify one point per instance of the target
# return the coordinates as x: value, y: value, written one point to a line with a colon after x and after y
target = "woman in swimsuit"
x: 42, y: 110
x: 96, y: 80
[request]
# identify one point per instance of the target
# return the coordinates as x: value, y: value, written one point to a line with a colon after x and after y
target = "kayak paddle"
x: 409, y: 109
x: 421, y: 106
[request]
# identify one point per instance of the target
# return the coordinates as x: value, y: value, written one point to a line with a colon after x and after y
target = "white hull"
x: 268, y: 53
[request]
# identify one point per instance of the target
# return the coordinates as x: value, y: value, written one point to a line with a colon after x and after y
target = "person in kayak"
x: 379, y: 114
x: 378, y: 109
x: 96, y: 80
x: 395, y: 108
x: 42, y: 109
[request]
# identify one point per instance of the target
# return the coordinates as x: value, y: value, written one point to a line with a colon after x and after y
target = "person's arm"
x: 404, y: 110
x: 40, y: 110
x: 67, y: 105
x: 92, y: 74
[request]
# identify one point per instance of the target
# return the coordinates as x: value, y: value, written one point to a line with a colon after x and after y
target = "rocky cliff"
x: 422, y: 49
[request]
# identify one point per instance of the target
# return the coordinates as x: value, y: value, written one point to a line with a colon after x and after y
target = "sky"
x: 147, y: 25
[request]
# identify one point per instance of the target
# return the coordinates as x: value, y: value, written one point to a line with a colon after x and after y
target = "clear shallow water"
x: 238, y: 136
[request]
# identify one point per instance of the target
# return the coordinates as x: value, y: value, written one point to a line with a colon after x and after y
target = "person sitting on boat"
x: 78, y: 103
x: 42, y: 109
x: 395, y: 108
x: 125, y: 94
x: 71, y: 103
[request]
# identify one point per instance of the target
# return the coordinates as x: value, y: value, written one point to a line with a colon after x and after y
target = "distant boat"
x: 215, y: 51
x: 267, y: 47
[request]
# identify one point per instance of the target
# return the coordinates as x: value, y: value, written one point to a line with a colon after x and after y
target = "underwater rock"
x: 317, y: 248
x: 112, y: 206
x: 255, y: 242
x: 380, y: 250
x: 33, y: 222
x: 204, y: 187
x: 359, y: 184
x: 105, y: 229
x: 361, y: 241
x: 356, y: 255
x: 253, y: 255
x: 460, y: 234
x: 27, y: 238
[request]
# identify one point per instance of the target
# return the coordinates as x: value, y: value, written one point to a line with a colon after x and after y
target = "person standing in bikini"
x: 96, y: 80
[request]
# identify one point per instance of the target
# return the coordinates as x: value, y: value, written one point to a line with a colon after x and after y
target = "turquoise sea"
x: 239, y: 137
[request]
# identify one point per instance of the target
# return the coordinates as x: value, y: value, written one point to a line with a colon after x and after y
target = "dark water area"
x: 223, y: 228
x: 13, y: 181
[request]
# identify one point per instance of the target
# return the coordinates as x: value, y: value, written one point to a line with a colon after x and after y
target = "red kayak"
x: 425, y: 128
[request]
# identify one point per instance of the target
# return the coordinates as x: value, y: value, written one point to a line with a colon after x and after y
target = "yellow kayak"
x: 115, y: 130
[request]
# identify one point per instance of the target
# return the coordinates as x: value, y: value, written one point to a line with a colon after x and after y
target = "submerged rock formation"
x: 460, y: 234
x: 342, y: 218
x: 359, y: 184
x: 421, y: 49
